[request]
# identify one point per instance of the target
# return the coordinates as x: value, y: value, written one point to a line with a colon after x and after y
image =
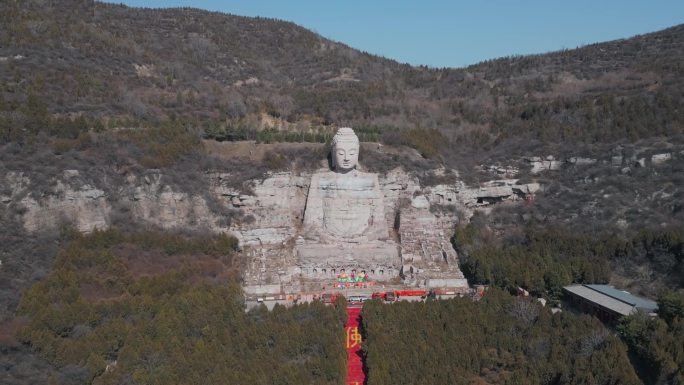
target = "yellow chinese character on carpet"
x: 353, y: 337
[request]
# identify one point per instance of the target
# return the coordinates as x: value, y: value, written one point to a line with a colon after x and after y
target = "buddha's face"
x: 346, y: 156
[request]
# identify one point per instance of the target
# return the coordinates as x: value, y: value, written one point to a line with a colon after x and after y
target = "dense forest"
x: 508, y: 340
x: 498, y: 340
x: 657, y: 344
x: 543, y: 260
x: 155, y: 308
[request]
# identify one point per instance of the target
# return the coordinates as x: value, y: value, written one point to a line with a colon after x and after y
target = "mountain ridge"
x: 119, y: 65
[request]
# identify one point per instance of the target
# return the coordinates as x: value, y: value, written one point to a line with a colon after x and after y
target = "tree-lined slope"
x: 152, y: 308
x: 498, y: 340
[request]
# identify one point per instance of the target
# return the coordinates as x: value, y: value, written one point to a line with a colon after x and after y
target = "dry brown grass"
x: 145, y: 263
x: 8, y: 331
x: 252, y: 150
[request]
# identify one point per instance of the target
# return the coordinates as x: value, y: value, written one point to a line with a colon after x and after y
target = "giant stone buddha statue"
x: 344, y: 219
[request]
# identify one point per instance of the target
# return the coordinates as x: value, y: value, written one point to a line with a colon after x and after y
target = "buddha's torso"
x: 346, y: 206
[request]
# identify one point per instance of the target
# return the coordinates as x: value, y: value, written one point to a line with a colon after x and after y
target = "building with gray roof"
x: 606, y: 302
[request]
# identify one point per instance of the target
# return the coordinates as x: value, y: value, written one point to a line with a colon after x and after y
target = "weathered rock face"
x: 619, y: 159
x: 660, y: 158
x: 428, y: 258
x: 579, y: 161
x: 274, y: 212
x: 538, y: 164
x: 74, y: 201
x: 291, y: 227
x: 396, y: 184
x: 288, y: 233
x: 156, y: 203
x: 497, y: 191
x: 270, y: 215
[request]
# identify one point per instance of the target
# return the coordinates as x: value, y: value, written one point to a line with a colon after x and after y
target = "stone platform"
x: 378, y: 259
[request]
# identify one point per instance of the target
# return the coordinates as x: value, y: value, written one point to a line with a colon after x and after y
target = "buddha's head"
x: 345, y: 150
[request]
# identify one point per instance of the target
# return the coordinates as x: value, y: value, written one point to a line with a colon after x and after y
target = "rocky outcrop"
x: 73, y: 200
x: 267, y: 216
x: 394, y: 185
x: 579, y: 161
x: 660, y: 158
x: 270, y: 213
x: 619, y: 159
x: 488, y: 193
x: 154, y: 202
x: 538, y: 164
x: 267, y: 211
x: 428, y: 258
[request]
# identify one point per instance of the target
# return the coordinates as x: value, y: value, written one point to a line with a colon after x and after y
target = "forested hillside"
x: 153, y: 308
x: 543, y: 260
x: 116, y: 66
x: 108, y: 92
x: 507, y: 340
x: 498, y: 340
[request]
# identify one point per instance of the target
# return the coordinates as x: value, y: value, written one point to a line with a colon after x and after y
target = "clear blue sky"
x: 457, y: 33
